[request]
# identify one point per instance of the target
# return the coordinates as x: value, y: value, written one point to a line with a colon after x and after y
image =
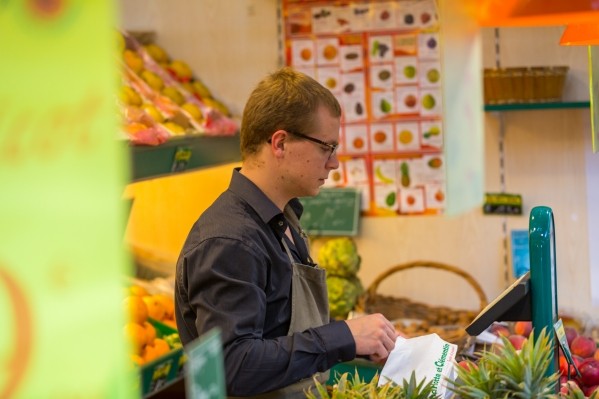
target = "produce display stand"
x: 182, y: 153
x: 533, y: 297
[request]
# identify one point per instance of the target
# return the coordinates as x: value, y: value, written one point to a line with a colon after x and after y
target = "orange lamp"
x: 580, y: 35
x: 534, y: 12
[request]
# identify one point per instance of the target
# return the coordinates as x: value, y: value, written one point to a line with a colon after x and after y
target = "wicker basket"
x: 413, y: 318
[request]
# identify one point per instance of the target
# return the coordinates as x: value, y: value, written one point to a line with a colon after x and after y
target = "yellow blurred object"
x: 181, y: 69
x: 153, y: 80
x: 120, y: 41
x: 157, y: 53
x: 174, y: 94
x: 137, y: 290
x: 137, y: 360
x: 174, y: 128
x: 154, y: 114
x: 200, y: 89
x: 193, y: 110
x: 135, y: 309
x: 222, y: 108
x: 133, y: 60
x: 129, y: 96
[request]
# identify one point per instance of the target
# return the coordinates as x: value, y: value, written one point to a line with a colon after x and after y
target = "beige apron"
x: 309, y: 308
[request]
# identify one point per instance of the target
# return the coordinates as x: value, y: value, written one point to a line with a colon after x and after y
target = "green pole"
x: 543, y: 276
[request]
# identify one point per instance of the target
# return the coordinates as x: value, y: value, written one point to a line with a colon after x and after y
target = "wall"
x: 546, y: 157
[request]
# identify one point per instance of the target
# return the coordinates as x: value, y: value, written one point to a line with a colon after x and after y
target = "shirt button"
x: 281, y: 223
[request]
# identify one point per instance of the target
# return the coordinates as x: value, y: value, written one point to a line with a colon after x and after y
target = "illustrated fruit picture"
x: 406, y: 136
x: 409, y: 71
x: 428, y: 101
x: 380, y: 137
x: 358, y: 143
x: 306, y: 54
x: 386, y: 105
x: 384, y: 75
x: 330, y: 52
x: 410, y: 101
x: 432, y: 75
x: 331, y: 83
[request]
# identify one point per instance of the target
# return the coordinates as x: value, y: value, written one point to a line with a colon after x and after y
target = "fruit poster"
x: 382, y: 61
x: 62, y: 217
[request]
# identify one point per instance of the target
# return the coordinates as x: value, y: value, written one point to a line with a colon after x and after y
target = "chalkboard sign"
x: 333, y: 212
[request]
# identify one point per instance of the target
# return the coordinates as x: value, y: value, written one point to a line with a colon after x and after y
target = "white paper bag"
x: 428, y: 356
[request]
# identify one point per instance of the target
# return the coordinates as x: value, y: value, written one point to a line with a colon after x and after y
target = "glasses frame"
x: 332, y: 147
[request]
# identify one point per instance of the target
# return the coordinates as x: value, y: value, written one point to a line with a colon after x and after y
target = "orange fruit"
x: 170, y: 322
x: 135, y: 334
x: 156, y: 309
x: 150, y: 332
x: 135, y: 309
x: 169, y: 305
x: 154, y: 350
x: 138, y: 290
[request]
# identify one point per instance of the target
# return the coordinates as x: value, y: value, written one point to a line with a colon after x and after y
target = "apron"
x: 309, y: 308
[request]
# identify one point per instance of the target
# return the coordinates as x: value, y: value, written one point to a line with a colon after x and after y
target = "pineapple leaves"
x: 504, y: 372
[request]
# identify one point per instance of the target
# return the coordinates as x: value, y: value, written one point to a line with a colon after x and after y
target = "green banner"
x: 62, y: 218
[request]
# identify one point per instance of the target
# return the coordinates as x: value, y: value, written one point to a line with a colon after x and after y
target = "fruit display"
x: 160, y: 97
x: 585, y: 355
x: 143, y: 310
x: 339, y: 257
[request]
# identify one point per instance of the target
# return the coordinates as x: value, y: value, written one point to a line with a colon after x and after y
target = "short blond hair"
x: 286, y: 100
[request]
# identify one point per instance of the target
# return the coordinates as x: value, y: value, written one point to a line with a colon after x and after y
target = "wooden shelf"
x: 536, y: 106
x: 192, y: 152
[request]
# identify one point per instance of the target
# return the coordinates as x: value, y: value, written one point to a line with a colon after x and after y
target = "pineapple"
x: 508, y: 373
x: 356, y: 388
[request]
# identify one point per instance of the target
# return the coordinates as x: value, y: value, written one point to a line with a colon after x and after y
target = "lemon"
x: 153, y: 112
x: 156, y: 52
x: 174, y: 94
x: 153, y: 80
x: 193, y: 110
x: 133, y: 60
x: 174, y: 128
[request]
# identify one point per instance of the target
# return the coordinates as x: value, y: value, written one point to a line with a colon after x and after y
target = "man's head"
x: 284, y: 100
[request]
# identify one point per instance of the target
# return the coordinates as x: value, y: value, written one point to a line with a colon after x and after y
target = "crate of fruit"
x: 414, y: 318
x: 167, y: 367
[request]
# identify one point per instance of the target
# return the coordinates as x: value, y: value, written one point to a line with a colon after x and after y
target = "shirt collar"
x: 264, y: 207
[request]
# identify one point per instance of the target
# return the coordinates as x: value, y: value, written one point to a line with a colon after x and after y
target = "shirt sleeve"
x: 227, y: 289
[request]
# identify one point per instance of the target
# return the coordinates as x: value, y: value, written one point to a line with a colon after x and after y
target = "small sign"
x: 333, y: 212
x: 205, y: 368
x: 520, y: 252
x: 181, y: 159
x: 502, y: 204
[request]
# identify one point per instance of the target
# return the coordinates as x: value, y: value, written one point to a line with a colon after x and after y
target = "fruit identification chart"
x: 381, y: 59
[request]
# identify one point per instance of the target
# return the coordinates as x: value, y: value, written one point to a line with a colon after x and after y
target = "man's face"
x: 311, y: 155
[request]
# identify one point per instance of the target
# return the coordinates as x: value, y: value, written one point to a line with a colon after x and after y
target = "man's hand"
x: 374, y: 335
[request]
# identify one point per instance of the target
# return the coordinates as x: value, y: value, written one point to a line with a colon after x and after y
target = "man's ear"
x: 278, y: 141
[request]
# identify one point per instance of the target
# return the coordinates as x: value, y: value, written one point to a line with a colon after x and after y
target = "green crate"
x: 161, y: 371
x: 366, y: 370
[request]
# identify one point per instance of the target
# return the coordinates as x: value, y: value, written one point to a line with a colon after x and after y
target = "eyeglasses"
x: 331, y: 147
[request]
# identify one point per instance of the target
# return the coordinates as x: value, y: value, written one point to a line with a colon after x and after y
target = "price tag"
x: 181, y: 159
x: 502, y: 204
x: 560, y: 333
x: 205, y: 369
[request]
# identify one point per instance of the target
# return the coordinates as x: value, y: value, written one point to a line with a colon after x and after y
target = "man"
x: 245, y: 267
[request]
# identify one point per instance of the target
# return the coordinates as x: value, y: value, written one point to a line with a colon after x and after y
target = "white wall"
x: 231, y: 44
